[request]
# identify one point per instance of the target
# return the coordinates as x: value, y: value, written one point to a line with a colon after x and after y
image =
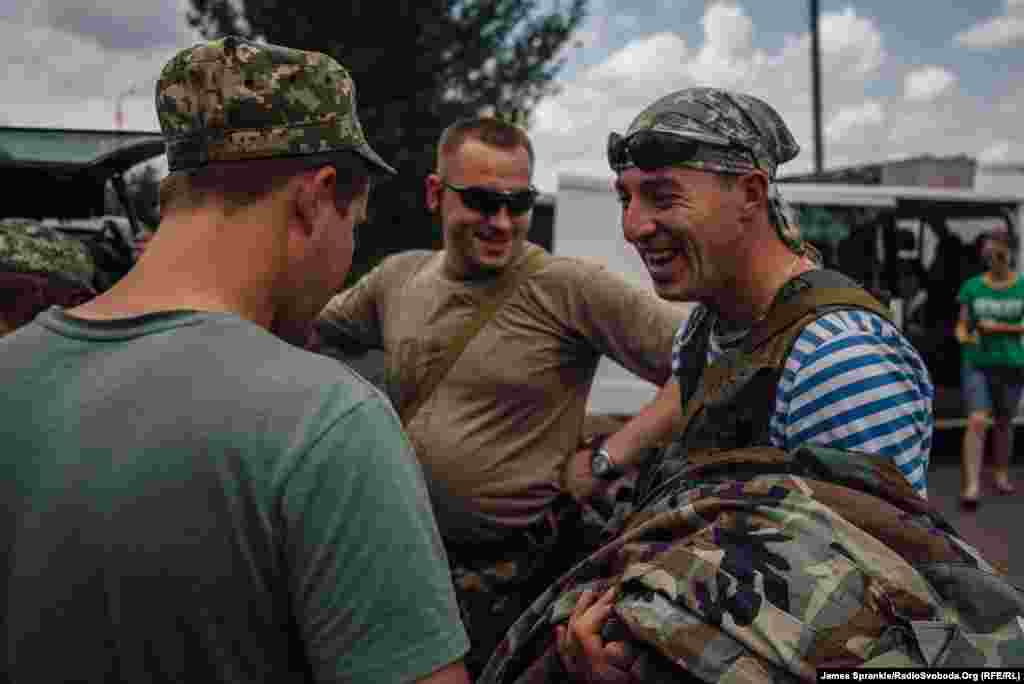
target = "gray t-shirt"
x: 188, y: 498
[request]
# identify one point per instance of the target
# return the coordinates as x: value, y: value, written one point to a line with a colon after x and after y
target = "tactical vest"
x: 729, y: 404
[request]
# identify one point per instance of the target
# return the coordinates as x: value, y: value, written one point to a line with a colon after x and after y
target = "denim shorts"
x: 991, y: 389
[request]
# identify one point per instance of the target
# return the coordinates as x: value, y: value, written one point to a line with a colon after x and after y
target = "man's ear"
x: 755, y: 192
x: 434, y: 188
x: 312, y: 195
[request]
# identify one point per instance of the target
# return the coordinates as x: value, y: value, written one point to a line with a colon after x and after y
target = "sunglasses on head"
x: 651, y: 150
x: 489, y: 202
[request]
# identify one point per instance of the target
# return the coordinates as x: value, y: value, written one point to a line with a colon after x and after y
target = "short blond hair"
x: 488, y: 130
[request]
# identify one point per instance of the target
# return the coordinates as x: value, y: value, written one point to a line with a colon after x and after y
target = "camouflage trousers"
x: 762, y: 566
x: 496, y: 581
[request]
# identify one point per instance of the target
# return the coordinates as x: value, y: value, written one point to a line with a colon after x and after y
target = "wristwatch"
x: 601, y: 463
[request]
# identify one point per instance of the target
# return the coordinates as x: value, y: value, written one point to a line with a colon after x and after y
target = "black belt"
x: 539, y: 535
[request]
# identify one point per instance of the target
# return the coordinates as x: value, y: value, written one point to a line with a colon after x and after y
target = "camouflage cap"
x: 233, y: 99
x: 722, y: 119
x: 26, y: 246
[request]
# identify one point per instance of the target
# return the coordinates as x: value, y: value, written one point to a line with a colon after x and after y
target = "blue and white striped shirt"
x: 852, y: 381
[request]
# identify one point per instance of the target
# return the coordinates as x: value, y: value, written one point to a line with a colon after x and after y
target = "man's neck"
x: 457, y: 268
x: 193, y: 264
x: 746, y: 298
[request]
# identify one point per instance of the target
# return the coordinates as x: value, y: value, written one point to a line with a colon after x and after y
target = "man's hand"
x: 583, y: 652
x: 964, y: 337
x: 580, y: 481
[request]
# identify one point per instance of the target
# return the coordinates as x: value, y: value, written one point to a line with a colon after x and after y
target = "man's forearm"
x: 997, y: 327
x: 654, y: 425
x: 1010, y: 328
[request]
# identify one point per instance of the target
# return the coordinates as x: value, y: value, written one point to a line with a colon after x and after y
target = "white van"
x: 911, y: 246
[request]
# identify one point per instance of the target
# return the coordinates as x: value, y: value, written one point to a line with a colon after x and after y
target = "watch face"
x: 600, y: 464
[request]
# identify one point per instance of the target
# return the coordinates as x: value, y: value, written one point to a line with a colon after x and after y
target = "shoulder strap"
x: 825, y: 291
x: 837, y: 294
x: 693, y: 359
x: 465, y: 335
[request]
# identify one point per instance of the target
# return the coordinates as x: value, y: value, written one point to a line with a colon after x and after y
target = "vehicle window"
x: 847, y: 237
x: 142, y: 183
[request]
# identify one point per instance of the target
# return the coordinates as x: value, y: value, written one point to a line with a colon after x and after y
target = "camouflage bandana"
x: 742, y: 133
x: 234, y: 99
x: 28, y: 247
x: 786, y: 225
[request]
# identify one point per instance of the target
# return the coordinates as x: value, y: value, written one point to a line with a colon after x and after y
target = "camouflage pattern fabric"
x: 757, y: 565
x: 234, y: 99
x: 742, y: 133
x: 496, y: 582
x: 26, y: 246
x: 493, y: 592
x: 40, y: 268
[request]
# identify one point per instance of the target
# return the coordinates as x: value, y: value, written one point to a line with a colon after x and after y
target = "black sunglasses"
x: 489, y: 202
x: 651, y: 150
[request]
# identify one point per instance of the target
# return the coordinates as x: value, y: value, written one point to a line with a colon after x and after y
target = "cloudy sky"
x: 900, y: 77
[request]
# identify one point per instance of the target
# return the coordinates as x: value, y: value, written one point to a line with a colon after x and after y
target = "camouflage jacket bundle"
x: 758, y: 565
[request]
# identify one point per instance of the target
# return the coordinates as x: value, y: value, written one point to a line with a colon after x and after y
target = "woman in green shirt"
x: 990, y: 331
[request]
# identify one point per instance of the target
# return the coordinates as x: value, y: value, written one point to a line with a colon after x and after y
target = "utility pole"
x: 819, y: 145
x: 119, y: 107
x: 133, y: 89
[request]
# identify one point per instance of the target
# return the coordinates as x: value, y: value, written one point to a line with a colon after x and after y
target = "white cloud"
x: 851, y: 46
x: 996, y: 32
x: 848, y: 119
x: 850, y: 43
x: 114, y: 24
x: 725, y: 58
x: 1003, y: 152
x: 71, y: 77
x: 570, y: 129
x: 995, y: 153
x: 551, y: 116
x: 927, y: 83
x: 651, y: 57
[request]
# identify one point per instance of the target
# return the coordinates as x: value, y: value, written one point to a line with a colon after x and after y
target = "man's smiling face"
x: 685, y: 225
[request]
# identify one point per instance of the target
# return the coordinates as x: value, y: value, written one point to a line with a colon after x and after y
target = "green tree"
x: 418, y: 66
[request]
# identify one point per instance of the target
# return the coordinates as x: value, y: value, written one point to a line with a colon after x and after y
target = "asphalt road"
x: 993, y: 526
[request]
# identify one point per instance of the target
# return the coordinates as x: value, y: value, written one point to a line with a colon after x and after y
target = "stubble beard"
x: 688, y: 286
x: 472, y: 251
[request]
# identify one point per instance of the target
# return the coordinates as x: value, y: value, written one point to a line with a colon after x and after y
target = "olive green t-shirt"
x: 495, y: 434
x: 187, y: 498
x: 1005, y: 305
